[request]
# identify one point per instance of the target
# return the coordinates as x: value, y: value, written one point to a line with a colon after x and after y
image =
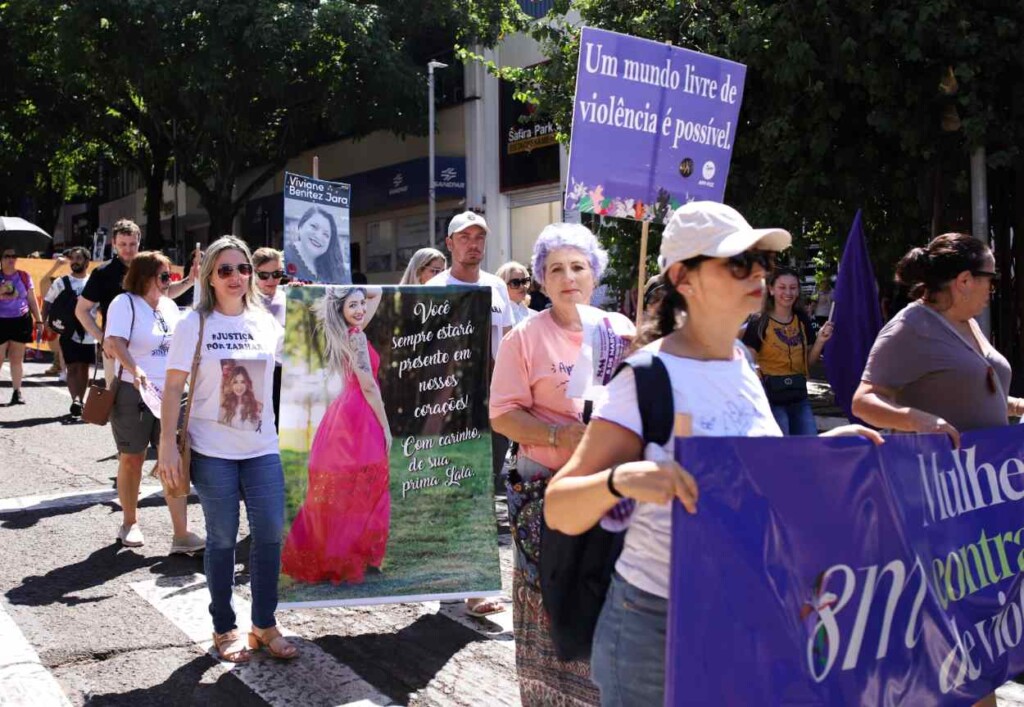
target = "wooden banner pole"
x: 316, y: 167
x: 645, y: 226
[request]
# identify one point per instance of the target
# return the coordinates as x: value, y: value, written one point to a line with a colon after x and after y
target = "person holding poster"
x: 341, y: 530
x: 931, y: 369
x: 529, y: 405
x: 423, y: 265
x: 140, y: 326
x: 230, y: 461
x: 715, y: 265
x: 313, y: 249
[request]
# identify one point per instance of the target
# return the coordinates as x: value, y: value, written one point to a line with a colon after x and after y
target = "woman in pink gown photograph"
x: 341, y: 530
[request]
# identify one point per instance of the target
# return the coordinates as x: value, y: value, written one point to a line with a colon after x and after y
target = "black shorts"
x: 77, y: 353
x: 16, y: 329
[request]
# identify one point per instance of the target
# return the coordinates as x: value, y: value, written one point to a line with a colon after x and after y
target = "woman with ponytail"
x: 782, y: 340
x: 931, y: 369
x: 714, y: 265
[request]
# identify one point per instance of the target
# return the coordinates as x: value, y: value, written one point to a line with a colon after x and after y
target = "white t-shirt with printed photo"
x: 77, y: 285
x: 724, y: 399
x: 232, y: 412
x: 149, y: 340
x: 501, y: 306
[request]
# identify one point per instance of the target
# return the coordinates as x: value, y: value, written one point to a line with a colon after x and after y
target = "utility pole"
x: 431, y: 196
x: 979, y: 217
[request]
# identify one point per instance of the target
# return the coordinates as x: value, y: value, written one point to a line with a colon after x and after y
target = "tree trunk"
x: 157, y: 170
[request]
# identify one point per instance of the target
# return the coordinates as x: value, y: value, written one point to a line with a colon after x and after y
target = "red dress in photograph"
x: 342, y: 526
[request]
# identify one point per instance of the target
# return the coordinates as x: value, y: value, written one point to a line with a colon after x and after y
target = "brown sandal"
x: 231, y: 647
x: 273, y: 643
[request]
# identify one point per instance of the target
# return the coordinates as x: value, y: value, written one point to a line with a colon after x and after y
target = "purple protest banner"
x: 653, y: 126
x: 831, y: 572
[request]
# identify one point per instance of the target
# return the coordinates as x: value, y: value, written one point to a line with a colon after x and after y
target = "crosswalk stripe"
x: 70, y: 498
x: 24, y: 680
x: 315, y: 678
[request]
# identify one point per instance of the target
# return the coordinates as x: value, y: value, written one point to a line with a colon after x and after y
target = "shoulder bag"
x: 99, y: 401
x: 575, y: 570
x: 792, y: 388
x: 182, y: 488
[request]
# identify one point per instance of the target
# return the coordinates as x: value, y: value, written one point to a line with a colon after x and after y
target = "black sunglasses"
x: 164, y: 277
x: 268, y: 274
x: 741, y: 264
x: 518, y: 282
x: 225, y: 271
x: 10, y: 256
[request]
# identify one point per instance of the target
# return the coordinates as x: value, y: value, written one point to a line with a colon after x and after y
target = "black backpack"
x: 61, y: 315
x: 575, y: 570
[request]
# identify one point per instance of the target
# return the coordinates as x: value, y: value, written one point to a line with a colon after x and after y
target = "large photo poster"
x: 386, y: 446
x: 317, y: 230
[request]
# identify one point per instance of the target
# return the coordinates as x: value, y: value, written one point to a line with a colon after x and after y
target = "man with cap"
x: 467, y: 242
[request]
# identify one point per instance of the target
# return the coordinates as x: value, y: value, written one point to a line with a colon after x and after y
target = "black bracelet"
x: 611, y: 483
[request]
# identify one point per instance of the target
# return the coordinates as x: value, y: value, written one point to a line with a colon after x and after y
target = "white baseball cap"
x: 465, y: 220
x: 716, y: 230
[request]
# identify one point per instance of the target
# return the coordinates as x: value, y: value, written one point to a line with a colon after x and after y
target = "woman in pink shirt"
x: 529, y: 406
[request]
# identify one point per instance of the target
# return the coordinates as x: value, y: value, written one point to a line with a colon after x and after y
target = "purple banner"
x: 831, y: 572
x: 653, y: 126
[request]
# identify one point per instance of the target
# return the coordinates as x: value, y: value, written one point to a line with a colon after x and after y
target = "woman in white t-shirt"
x: 230, y: 461
x: 139, y: 327
x: 715, y: 266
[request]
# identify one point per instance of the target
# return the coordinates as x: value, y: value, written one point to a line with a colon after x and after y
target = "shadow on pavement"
x: 18, y: 520
x: 100, y: 567
x: 402, y: 663
x: 30, y: 422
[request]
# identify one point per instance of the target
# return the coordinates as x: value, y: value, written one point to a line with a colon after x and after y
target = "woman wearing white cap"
x: 715, y: 266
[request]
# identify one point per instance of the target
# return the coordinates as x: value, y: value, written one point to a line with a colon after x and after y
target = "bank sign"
x: 833, y: 572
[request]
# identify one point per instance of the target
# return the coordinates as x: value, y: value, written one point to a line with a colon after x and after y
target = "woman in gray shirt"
x: 931, y: 369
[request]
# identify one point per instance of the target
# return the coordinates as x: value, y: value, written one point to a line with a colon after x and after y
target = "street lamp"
x: 430, y: 128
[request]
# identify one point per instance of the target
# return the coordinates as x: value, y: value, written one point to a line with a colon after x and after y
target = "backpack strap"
x: 653, y: 394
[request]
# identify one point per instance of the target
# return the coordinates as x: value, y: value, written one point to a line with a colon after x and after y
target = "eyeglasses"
x: 268, y: 274
x: 741, y: 265
x: 225, y: 271
x: 10, y: 256
x: 164, y: 277
x: 992, y: 275
x: 517, y: 282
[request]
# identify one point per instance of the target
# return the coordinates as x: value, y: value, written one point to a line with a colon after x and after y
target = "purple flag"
x: 857, y: 318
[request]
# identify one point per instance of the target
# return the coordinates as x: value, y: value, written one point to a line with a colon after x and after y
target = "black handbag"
x: 783, y: 390
x: 575, y: 570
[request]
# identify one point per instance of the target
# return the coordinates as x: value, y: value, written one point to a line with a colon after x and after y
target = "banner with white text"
x: 386, y: 446
x: 832, y: 572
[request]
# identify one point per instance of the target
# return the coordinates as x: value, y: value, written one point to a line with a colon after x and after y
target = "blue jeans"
x: 796, y: 418
x: 628, y: 657
x: 222, y: 484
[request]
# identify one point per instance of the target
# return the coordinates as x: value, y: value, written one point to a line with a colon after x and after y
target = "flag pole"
x: 644, y: 227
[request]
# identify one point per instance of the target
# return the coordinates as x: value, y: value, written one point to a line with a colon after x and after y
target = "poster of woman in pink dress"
x: 341, y: 530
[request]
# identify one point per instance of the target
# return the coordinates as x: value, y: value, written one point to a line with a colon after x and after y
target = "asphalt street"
x: 85, y: 621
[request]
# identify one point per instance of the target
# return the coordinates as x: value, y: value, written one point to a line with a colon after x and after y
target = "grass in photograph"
x: 442, y: 539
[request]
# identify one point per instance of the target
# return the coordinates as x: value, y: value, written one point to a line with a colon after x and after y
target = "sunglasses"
x: 270, y: 274
x: 225, y: 271
x: 164, y: 277
x: 10, y: 256
x: 517, y: 282
x: 992, y: 275
x: 741, y: 264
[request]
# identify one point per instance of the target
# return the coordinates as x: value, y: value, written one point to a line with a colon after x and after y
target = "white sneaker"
x: 190, y: 544
x: 131, y: 536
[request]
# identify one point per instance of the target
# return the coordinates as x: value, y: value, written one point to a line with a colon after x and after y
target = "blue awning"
x: 405, y: 184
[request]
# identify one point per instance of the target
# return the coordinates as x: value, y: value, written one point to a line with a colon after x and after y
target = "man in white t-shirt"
x: 467, y: 242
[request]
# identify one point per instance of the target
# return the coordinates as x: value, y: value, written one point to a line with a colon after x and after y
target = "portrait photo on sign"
x: 316, y: 242
x: 386, y: 447
x: 242, y: 394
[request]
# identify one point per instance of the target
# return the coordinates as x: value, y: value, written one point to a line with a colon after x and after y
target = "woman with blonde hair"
x: 517, y: 277
x: 341, y: 530
x: 423, y: 265
x: 230, y: 462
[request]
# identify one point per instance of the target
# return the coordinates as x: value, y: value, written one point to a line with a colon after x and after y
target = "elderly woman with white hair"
x: 529, y: 406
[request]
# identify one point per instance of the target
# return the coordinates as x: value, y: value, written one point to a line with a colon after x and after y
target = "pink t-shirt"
x: 531, y: 373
